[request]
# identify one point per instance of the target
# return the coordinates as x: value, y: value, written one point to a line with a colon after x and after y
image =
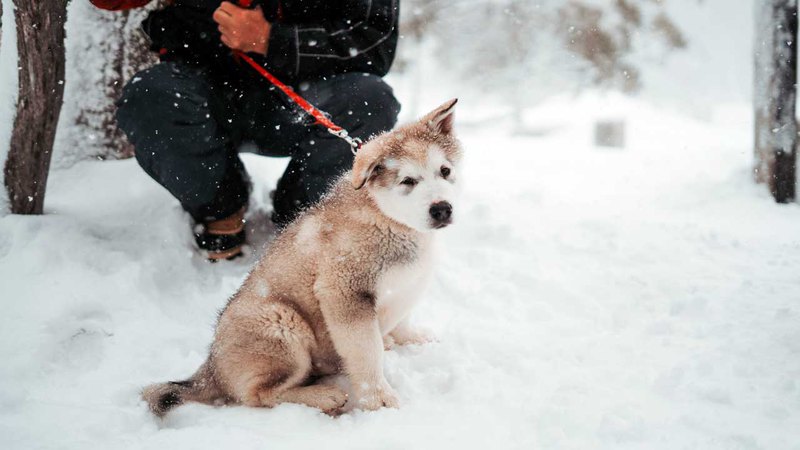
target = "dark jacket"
x: 309, y: 38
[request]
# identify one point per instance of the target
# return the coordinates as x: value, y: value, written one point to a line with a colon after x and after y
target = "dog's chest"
x: 400, y: 287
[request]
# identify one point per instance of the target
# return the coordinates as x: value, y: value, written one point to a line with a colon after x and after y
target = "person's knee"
x: 379, y: 101
x: 136, y: 110
x: 372, y: 101
x: 141, y: 100
x: 166, y: 108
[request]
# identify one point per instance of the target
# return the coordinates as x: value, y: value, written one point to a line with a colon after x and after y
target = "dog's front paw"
x: 411, y: 337
x: 372, y: 398
x: 331, y: 400
x: 388, y: 342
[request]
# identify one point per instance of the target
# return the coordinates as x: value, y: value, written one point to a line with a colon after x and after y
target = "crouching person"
x: 187, y: 115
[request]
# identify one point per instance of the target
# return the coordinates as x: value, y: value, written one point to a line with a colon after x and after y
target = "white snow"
x: 645, y: 297
x: 588, y: 298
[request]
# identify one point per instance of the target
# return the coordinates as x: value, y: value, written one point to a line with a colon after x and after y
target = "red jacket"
x: 118, y: 5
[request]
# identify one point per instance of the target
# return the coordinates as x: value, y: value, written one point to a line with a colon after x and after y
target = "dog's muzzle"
x: 441, y: 214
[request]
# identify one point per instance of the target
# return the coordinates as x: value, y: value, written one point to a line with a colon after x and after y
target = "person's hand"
x: 243, y: 29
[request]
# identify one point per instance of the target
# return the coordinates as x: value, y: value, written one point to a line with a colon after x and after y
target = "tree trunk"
x: 104, y: 50
x: 123, y: 53
x: 40, y: 43
x: 775, y: 96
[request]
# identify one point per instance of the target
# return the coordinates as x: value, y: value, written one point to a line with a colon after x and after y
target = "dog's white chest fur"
x: 400, y: 288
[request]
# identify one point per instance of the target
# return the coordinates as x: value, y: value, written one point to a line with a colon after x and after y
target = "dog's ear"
x: 441, y: 119
x: 366, y: 165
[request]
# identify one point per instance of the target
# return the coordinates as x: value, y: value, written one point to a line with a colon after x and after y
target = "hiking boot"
x: 224, y: 238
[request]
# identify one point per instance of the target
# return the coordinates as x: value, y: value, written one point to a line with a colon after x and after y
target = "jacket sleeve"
x: 362, y: 39
x: 119, y: 5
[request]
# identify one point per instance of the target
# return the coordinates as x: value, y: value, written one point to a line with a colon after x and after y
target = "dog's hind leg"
x: 328, y: 398
x: 280, y: 380
x: 257, y: 372
x: 271, y: 362
x: 276, y: 375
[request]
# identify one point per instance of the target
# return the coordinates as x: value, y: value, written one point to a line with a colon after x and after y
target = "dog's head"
x: 412, y: 172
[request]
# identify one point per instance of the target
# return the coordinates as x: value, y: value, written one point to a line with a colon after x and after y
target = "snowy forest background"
x: 515, y: 52
x: 639, y: 295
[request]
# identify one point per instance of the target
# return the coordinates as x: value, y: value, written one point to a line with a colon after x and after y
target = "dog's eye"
x: 408, y: 181
x: 445, y: 171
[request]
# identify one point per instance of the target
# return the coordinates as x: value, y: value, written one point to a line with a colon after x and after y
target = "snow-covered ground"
x: 588, y: 298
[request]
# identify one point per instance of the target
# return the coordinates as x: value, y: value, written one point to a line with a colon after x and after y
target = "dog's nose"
x: 441, y: 211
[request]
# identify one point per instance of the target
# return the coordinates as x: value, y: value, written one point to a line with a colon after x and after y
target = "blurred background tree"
x: 40, y: 68
x: 104, y: 50
x: 524, y: 49
x: 519, y: 49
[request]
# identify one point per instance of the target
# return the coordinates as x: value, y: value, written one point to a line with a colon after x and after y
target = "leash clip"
x: 354, y: 142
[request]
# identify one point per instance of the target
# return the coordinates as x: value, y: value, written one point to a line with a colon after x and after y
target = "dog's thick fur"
x: 336, y: 285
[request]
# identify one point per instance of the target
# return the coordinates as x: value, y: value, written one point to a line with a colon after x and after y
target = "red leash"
x: 354, y: 142
x: 321, y: 119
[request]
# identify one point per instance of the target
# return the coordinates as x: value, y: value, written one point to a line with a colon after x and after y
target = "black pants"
x: 186, y: 131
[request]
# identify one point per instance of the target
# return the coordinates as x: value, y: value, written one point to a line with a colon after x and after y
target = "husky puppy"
x: 336, y: 285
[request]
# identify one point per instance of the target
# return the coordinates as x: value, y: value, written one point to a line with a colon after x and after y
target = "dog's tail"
x: 201, y: 387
